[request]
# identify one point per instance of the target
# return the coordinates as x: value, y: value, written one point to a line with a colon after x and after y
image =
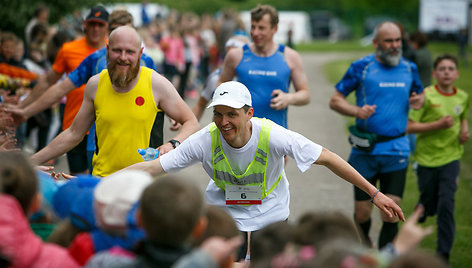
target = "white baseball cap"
x: 232, y: 94
x: 116, y: 194
x: 236, y: 41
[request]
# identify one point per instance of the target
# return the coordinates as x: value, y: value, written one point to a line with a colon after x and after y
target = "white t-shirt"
x: 275, y: 207
x: 210, y: 84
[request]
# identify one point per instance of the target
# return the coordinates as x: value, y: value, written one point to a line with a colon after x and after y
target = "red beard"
x: 122, y: 79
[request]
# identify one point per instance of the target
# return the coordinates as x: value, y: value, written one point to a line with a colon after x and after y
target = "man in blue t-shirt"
x: 386, y: 86
x: 266, y: 68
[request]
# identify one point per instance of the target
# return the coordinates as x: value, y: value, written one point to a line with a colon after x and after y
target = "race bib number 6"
x: 243, y: 195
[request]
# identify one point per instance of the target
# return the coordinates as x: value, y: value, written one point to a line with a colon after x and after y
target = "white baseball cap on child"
x: 232, y: 94
x: 115, y: 195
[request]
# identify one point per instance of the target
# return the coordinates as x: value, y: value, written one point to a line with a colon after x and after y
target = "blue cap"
x: 69, y: 192
x: 47, y: 186
x: 132, y: 220
x: 82, y: 215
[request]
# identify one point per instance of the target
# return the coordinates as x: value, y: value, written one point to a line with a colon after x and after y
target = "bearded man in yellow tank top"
x: 123, y: 101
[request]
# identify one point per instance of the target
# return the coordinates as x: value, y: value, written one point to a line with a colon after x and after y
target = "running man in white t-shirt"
x: 244, y: 157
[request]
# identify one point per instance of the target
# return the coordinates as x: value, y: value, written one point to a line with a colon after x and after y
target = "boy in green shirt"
x: 442, y: 129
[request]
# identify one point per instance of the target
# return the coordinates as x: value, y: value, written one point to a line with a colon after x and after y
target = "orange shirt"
x: 68, y: 58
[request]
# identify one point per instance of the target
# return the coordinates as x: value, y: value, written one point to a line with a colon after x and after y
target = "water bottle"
x: 148, y: 153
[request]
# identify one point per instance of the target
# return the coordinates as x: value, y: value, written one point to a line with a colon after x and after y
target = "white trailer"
x: 445, y: 17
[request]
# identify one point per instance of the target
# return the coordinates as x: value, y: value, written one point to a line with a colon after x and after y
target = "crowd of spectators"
x: 108, y: 222
x: 185, y: 48
x: 166, y: 223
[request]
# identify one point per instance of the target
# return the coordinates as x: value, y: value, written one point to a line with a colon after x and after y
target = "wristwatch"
x: 175, y: 143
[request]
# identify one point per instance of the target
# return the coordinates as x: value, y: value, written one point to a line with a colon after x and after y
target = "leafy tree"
x: 15, y: 14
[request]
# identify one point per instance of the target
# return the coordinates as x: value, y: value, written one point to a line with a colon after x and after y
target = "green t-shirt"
x: 439, y: 147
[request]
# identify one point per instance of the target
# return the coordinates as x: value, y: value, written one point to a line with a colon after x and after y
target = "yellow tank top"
x: 123, y: 123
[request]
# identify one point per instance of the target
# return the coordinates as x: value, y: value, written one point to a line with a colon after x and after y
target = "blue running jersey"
x: 389, y: 88
x: 261, y: 75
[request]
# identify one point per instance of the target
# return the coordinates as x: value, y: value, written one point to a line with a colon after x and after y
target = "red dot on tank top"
x: 139, y: 101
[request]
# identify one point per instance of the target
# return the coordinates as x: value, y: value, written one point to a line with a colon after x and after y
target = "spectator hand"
x: 221, y: 249
x: 7, y: 144
x: 411, y: 234
x: 53, y: 174
x: 22, y: 91
x: 416, y: 100
x: 16, y: 113
x: 6, y: 120
x: 68, y: 176
x: 45, y: 168
x: 11, y: 99
x: 4, y: 92
x: 280, y: 100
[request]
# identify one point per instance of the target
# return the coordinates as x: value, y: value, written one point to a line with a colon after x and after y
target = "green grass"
x: 460, y: 255
x: 355, y: 45
x: 326, y: 46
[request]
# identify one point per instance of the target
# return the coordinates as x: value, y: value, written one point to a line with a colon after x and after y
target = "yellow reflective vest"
x: 255, y: 174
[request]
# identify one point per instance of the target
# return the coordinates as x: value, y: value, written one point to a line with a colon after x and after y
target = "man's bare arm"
x: 46, y: 100
x: 72, y: 136
x: 341, y: 168
x: 50, y: 97
x: 44, y: 82
x: 232, y: 60
x: 199, y: 108
x: 301, y: 96
x: 420, y: 127
x: 173, y: 105
x: 152, y: 167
